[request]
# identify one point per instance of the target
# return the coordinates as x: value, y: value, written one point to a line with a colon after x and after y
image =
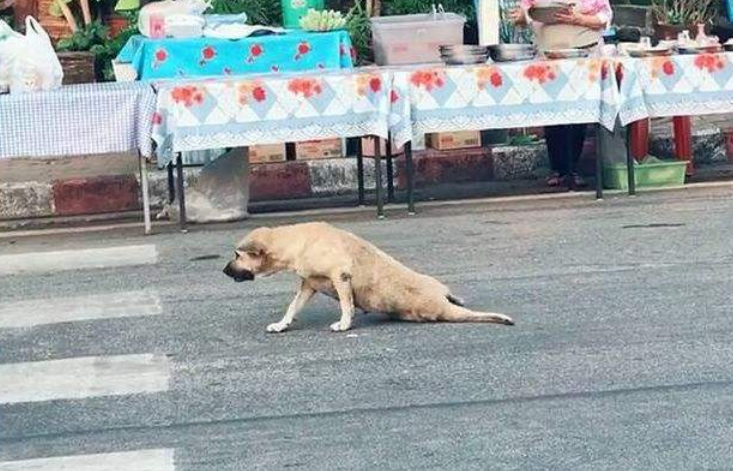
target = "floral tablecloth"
x: 198, y: 57
x: 681, y: 85
x: 236, y: 112
x: 501, y: 96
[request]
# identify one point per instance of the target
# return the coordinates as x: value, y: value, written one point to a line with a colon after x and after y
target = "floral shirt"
x: 600, y: 8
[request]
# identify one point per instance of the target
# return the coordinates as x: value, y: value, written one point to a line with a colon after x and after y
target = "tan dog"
x: 351, y: 270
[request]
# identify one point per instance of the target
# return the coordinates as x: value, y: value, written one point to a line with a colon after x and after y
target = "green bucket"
x: 294, y: 10
x: 659, y: 173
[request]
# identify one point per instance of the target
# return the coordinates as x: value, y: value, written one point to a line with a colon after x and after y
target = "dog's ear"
x: 253, y: 247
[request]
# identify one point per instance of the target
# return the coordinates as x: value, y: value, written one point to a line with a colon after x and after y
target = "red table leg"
x: 683, y: 141
x: 639, y: 139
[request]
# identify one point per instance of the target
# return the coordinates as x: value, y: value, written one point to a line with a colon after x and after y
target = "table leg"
x: 390, y: 172
x: 683, y: 141
x: 378, y: 176
x: 410, y: 179
x: 146, y: 192
x: 630, y: 168
x: 171, y: 183
x: 180, y: 193
x: 360, y: 171
x: 599, y: 163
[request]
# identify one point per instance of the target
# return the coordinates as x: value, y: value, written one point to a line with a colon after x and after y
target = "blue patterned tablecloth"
x: 199, y: 57
x: 680, y: 85
x: 234, y: 112
x: 502, y: 96
x: 77, y: 120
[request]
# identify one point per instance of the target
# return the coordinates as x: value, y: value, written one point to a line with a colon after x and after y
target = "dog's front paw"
x: 338, y: 327
x: 277, y: 327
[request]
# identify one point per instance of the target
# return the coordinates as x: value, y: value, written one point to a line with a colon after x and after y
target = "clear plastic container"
x: 414, y: 39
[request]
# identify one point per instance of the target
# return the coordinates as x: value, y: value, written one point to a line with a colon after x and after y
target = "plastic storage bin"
x: 414, y: 39
x: 663, y: 173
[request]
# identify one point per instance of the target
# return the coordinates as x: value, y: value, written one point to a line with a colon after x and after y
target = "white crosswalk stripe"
x: 83, y: 377
x: 29, y: 313
x: 139, y: 460
x: 63, y: 260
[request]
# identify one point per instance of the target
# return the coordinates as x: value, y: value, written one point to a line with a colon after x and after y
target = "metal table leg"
x: 410, y: 179
x: 378, y: 176
x: 630, y: 170
x: 360, y: 171
x: 181, y: 195
x: 599, y: 163
x: 390, y: 172
x: 145, y: 191
x: 171, y: 183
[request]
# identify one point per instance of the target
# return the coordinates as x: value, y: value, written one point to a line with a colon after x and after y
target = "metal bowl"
x: 558, y: 54
x: 463, y: 49
x: 711, y: 49
x: 545, y: 13
x: 512, y: 52
x: 657, y: 51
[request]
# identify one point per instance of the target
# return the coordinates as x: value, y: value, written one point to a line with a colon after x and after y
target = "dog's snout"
x: 238, y: 275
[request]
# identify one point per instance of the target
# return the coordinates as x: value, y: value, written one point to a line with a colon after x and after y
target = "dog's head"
x: 251, y: 257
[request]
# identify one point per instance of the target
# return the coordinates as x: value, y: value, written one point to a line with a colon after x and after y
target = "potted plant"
x: 673, y: 16
x: 118, y: 19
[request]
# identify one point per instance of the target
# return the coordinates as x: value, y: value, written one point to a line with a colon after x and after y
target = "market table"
x: 78, y: 120
x: 503, y: 96
x: 198, y: 57
x: 675, y: 86
x: 270, y: 109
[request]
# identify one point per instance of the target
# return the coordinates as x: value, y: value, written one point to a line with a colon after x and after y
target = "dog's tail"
x: 454, y: 313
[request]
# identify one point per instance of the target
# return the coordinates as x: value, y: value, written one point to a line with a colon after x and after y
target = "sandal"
x: 555, y: 180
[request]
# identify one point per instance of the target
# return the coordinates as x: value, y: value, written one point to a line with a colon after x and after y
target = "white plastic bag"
x: 35, y: 65
x: 10, y: 42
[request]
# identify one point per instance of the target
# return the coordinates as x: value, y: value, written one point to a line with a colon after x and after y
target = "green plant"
x: 357, y: 24
x: 406, y: 7
x: 685, y: 12
x: 259, y: 12
x: 95, y: 39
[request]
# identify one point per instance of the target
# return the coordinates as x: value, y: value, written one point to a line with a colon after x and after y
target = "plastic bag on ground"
x: 220, y: 193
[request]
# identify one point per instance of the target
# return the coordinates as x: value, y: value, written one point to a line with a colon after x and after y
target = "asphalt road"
x: 621, y: 357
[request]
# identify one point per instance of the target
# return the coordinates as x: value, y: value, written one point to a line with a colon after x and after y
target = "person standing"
x: 581, y: 25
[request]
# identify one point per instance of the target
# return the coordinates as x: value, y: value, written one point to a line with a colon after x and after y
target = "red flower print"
x: 161, y: 55
x: 668, y: 68
x: 375, y: 84
x: 307, y: 87
x: 258, y: 93
x: 157, y: 118
x: 255, y: 51
x: 303, y: 49
x: 496, y: 80
x: 352, y: 51
x: 393, y: 97
x: 604, y: 71
x: 709, y: 62
x: 428, y: 79
x: 207, y: 54
x: 188, y: 95
x: 540, y: 73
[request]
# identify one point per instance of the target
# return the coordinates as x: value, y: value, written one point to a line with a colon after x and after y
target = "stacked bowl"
x: 464, y: 54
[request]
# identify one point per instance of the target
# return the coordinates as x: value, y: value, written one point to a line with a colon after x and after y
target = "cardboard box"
x: 367, y: 148
x: 324, y: 149
x: 454, y: 140
x: 267, y: 153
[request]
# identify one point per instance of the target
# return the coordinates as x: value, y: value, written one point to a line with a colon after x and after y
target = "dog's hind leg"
x: 304, y: 294
x: 454, y: 313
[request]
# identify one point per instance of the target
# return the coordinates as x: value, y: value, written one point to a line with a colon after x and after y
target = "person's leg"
x: 576, y: 143
x: 556, y: 138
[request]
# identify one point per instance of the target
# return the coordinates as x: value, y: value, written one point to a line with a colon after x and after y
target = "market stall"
x: 80, y: 120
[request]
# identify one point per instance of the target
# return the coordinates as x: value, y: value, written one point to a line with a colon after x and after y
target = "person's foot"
x: 555, y: 180
x: 576, y: 181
